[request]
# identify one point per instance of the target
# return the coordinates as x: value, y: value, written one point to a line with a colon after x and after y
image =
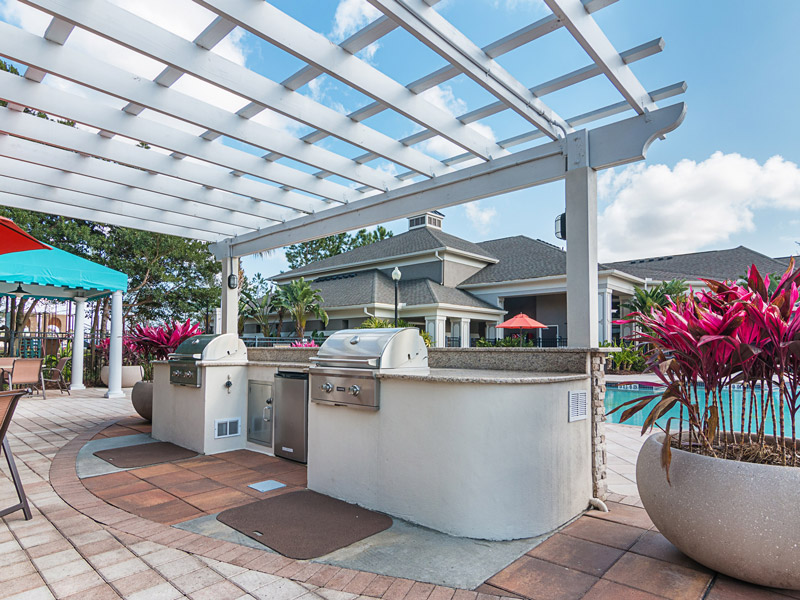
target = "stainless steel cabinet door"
x: 259, y: 412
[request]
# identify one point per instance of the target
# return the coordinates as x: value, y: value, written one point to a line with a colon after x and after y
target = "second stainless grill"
x: 346, y: 365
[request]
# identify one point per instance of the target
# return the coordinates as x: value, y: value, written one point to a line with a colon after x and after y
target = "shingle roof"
x: 409, y: 242
x: 373, y: 286
x: 520, y: 257
x: 714, y: 264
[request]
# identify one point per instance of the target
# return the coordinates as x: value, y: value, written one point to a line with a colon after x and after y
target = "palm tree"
x: 301, y: 300
x: 643, y: 301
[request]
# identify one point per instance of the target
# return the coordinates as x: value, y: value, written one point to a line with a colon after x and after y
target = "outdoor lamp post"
x: 396, y: 275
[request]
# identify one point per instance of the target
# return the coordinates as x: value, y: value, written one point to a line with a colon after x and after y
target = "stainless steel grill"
x: 184, y: 367
x: 347, y: 363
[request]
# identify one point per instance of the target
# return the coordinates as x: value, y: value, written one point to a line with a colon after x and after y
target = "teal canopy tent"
x: 60, y: 275
x: 57, y: 274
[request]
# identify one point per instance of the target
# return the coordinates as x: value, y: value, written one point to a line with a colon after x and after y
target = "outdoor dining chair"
x: 27, y: 372
x: 8, y: 403
x: 56, y: 375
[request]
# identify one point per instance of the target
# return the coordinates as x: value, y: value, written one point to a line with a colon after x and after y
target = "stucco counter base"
x: 461, y: 452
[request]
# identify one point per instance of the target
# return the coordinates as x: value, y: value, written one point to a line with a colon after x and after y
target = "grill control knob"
x: 355, y: 390
x: 327, y: 387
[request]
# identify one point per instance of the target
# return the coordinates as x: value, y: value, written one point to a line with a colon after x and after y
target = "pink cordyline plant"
x: 733, y: 334
x: 159, y: 342
x: 304, y: 344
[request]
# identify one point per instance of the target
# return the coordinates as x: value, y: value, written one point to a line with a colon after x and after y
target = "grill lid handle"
x: 354, y: 340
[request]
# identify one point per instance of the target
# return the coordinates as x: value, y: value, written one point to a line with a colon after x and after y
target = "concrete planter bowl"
x: 130, y: 375
x: 740, y: 519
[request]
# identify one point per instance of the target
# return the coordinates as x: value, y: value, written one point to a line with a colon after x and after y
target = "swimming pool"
x: 619, y: 394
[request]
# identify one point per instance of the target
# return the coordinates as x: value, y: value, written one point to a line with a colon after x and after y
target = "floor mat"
x: 144, y: 454
x: 304, y: 524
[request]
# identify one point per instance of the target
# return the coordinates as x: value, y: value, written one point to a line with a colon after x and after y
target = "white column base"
x: 79, y: 386
x: 110, y: 394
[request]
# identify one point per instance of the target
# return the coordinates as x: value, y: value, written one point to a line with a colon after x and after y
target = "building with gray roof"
x: 458, y: 291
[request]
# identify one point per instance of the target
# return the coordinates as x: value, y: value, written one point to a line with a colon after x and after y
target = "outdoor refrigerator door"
x: 291, y: 416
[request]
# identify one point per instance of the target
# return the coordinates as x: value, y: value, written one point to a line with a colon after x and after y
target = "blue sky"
x: 727, y: 176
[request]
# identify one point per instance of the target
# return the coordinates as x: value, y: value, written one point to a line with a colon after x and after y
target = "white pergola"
x: 244, y: 203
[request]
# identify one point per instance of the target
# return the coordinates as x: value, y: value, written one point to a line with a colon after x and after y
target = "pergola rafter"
x: 292, y: 189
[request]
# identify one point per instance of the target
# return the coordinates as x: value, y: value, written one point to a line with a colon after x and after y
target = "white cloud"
x: 480, y: 217
x: 350, y: 16
x: 442, y: 97
x: 655, y: 210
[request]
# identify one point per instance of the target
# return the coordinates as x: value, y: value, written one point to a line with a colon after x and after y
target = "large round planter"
x: 130, y: 375
x: 142, y: 399
x: 740, y: 519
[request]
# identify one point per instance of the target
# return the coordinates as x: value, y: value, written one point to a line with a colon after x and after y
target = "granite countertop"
x: 484, y: 376
x: 295, y: 366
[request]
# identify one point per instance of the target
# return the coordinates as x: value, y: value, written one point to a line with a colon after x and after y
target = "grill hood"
x: 400, y: 348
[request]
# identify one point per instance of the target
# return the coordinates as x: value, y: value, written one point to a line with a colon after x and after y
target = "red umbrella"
x: 521, y: 321
x: 14, y: 239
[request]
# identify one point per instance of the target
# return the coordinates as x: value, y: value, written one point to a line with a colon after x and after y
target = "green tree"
x: 299, y: 255
x: 301, y: 300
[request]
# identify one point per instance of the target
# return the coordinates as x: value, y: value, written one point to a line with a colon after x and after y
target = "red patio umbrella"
x: 14, y: 239
x: 521, y: 321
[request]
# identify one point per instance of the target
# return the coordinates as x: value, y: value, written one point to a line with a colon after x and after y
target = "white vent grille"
x: 227, y: 428
x: 578, y: 406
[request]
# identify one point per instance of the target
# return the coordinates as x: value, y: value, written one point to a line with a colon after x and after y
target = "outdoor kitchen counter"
x: 486, y: 376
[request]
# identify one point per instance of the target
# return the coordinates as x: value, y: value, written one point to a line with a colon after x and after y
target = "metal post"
x: 395, y: 303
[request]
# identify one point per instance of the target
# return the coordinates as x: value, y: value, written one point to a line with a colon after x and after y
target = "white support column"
x: 465, y: 333
x: 78, y: 345
x: 230, y: 297
x: 115, y: 349
x: 581, y: 201
x: 441, y: 332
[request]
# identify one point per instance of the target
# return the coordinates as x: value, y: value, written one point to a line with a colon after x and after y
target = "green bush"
x: 629, y: 357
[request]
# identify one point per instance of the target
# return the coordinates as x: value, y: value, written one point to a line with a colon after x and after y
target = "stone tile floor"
x: 80, y: 546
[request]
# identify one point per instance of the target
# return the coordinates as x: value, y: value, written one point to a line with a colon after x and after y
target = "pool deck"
x: 81, y: 545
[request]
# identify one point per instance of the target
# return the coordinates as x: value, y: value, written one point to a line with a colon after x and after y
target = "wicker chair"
x: 27, y: 372
x: 8, y: 403
x: 56, y: 375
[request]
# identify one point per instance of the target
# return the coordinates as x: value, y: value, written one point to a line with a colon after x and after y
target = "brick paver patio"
x: 112, y: 537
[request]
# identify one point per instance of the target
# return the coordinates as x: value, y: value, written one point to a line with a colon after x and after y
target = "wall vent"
x: 227, y: 427
x: 578, y: 406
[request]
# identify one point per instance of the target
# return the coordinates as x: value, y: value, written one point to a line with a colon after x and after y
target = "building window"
x: 434, y: 221
x: 416, y: 222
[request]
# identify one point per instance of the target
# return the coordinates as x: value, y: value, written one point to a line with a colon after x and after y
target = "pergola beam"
x: 278, y: 28
x: 113, y: 23
x: 109, y: 218
x: 31, y: 189
x: 91, y: 72
x: 242, y: 210
x: 588, y: 34
x: 610, y: 146
x: 56, y: 134
x: 429, y: 27
x: 55, y: 102
x: 191, y: 214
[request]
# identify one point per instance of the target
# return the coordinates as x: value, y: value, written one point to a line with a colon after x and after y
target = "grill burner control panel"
x: 356, y: 390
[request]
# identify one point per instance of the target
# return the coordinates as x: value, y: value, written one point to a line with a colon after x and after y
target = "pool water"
x: 620, y: 395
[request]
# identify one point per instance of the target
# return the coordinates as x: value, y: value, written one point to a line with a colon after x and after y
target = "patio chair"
x: 28, y: 372
x: 8, y: 403
x: 56, y: 375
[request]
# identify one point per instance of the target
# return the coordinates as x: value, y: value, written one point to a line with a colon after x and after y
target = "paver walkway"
x: 80, y: 546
